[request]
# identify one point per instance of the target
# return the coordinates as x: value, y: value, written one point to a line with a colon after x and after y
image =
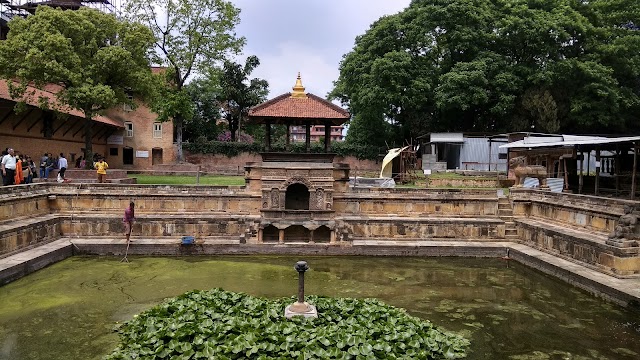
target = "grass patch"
x: 188, y: 180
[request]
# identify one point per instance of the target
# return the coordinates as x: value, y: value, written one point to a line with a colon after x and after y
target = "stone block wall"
x: 27, y: 232
x: 589, y: 212
x: 419, y: 229
x: 418, y: 202
x: 586, y: 248
x: 229, y: 226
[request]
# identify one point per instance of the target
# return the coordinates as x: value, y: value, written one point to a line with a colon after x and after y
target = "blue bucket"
x: 188, y: 240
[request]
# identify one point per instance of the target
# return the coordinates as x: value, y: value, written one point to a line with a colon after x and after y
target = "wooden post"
x: 597, y: 190
x: 566, y: 176
x: 616, y: 169
x: 267, y: 132
x: 581, y: 178
x: 198, y: 176
x: 327, y: 135
x: 635, y: 168
x: 307, y: 139
x: 490, y: 155
x: 288, y: 142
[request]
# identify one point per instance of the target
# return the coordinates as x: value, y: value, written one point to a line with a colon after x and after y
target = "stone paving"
x: 624, y: 291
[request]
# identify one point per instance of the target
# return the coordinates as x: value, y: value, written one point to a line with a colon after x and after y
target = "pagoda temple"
x: 297, y: 188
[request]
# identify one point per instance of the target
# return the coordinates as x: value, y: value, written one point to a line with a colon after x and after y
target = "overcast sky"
x: 309, y: 36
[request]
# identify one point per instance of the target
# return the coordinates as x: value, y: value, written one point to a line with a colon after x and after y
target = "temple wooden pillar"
x: 327, y: 135
x: 598, y: 165
x: 307, y: 137
x: 288, y: 141
x: 581, y: 177
x: 267, y: 135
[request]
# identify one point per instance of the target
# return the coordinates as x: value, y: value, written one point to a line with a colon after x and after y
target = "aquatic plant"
x: 219, y: 324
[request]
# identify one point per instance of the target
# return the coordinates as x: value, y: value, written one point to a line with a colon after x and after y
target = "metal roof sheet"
x: 446, y: 138
x: 566, y: 140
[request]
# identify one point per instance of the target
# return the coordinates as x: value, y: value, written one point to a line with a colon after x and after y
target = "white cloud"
x: 281, y: 69
x: 307, y: 36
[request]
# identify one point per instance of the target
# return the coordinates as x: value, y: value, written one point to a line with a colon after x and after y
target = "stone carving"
x: 625, y: 234
x: 275, y: 198
x: 297, y: 180
x: 522, y: 171
x: 320, y: 199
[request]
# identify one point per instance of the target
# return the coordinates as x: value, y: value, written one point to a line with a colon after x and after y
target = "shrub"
x: 225, y: 147
x: 225, y: 325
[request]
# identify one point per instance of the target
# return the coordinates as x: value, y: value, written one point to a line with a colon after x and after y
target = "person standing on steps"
x: 43, y: 165
x: 101, y: 168
x: 129, y: 217
x: 62, y: 165
x: 8, y: 167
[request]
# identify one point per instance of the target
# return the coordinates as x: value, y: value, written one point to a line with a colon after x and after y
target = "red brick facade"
x: 36, y: 131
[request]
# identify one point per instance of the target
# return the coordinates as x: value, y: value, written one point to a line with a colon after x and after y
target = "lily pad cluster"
x: 219, y: 324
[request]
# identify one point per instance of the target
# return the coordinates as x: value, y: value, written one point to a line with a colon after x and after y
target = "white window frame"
x: 128, y: 127
x: 157, y: 130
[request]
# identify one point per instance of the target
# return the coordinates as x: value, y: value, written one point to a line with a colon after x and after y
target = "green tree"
x: 93, y: 57
x: 476, y: 65
x: 203, y: 93
x: 238, y: 93
x: 191, y: 37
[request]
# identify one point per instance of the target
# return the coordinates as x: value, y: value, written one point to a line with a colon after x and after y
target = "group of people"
x: 17, y: 168
x: 21, y: 169
x: 48, y: 163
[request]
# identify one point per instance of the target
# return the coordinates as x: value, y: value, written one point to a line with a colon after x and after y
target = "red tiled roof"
x: 312, y: 107
x: 37, y: 94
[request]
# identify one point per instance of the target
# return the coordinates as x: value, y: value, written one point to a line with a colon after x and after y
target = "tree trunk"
x: 178, y: 122
x: 88, y: 142
x: 233, y: 127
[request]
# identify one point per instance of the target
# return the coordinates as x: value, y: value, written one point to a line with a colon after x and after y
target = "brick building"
x: 317, y: 133
x: 128, y: 138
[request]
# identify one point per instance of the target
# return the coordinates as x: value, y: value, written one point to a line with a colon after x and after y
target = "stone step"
x: 508, y: 231
x: 502, y: 212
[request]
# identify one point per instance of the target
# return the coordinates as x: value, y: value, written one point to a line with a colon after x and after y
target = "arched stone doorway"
x: 297, y: 197
x: 270, y: 234
x: 297, y: 233
x: 322, y: 234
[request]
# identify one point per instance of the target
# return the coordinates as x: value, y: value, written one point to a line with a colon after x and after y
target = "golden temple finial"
x: 298, y: 89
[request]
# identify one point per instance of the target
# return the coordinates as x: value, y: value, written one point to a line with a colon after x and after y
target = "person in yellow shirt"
x: 101, y: 167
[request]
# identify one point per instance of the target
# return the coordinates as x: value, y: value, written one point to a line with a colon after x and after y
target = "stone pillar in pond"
x: 301, y: 307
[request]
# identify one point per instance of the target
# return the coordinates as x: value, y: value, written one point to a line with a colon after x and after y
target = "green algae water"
x: 507, y: 311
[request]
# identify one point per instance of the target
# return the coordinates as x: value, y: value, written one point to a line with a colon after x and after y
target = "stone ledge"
x: 586, y: 248
x: 28, y: 261
x: 427, y: 220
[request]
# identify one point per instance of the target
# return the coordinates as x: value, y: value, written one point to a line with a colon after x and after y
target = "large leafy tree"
x: 203, y: 92
x: 94, y: 58
x: 238, y: 93
x: 489, y: 66
x: 191, y: 37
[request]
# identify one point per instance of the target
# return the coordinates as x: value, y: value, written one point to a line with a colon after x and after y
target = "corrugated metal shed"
x: 474, y: 155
